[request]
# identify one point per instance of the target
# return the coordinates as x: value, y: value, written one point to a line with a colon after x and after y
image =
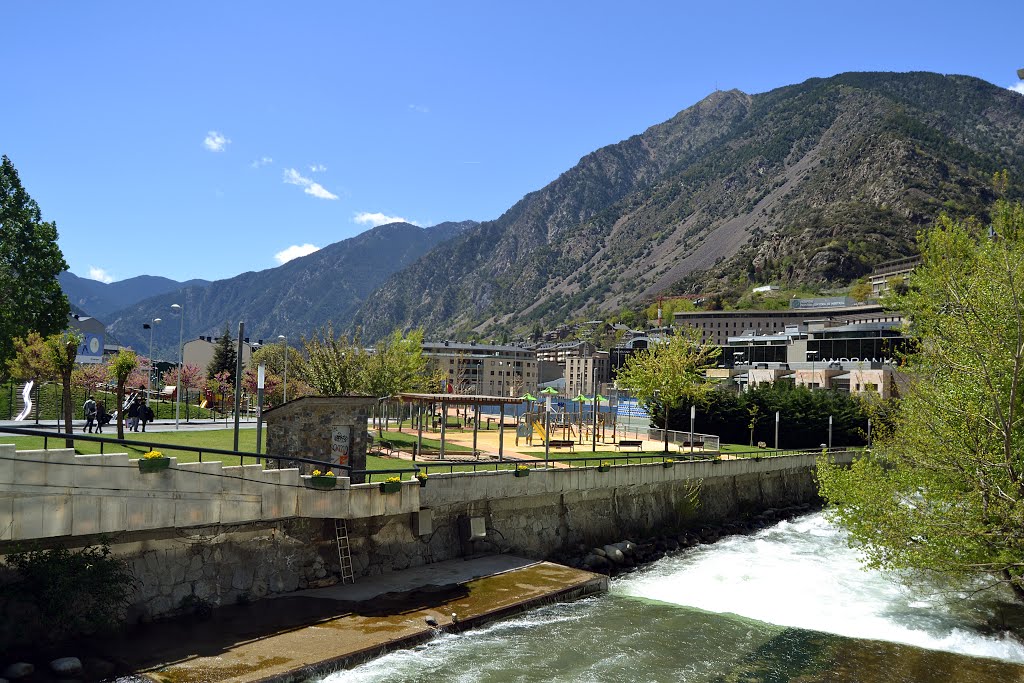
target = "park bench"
x: 629, y: 443
x: 556, y: 443
x: 697, y: 443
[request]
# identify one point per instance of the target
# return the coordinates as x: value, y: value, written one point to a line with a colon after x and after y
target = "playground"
x: 535, y: 430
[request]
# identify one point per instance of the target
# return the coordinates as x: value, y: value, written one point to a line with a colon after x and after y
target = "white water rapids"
x: 802, y: 574
x: 674, y: 621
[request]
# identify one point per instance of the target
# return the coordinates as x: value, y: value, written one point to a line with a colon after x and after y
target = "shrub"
x: 73, y: 593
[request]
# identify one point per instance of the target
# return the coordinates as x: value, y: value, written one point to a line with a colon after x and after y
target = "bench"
x: 624, y: 443
x: 554, y: 443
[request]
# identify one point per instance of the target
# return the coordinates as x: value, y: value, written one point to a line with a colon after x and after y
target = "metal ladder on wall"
x: 344, y: 552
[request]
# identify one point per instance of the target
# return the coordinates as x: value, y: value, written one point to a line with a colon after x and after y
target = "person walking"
x: 101, y: 416
x: 133, y: 414
x: 145, y: 414
x: 90, y: 414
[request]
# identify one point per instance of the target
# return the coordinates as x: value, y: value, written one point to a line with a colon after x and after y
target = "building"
x: 717, y: 326
x: 199, y: 352
x: 884, y: 273
x: 586, y: 374
x: 484, y: 369
x: 858, y: 358
x: 93, y: 334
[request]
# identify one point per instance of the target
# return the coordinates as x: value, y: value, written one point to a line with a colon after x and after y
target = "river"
x: 790, y: 603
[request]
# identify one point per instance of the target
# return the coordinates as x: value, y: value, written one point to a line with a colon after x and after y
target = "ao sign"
x: 91, y: 349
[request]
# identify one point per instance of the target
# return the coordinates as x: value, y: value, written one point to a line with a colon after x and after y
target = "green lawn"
x: 405, y: 441
x: 215, y: 438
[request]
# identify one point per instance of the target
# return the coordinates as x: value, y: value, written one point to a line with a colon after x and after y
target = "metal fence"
x: 709, y: 442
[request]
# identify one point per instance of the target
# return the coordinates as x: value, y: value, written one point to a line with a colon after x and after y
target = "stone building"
x: 325, y: 428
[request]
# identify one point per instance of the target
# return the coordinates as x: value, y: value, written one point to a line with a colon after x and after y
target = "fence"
x: 708, y: 442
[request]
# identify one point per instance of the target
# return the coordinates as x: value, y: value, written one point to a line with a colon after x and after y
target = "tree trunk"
x: 1018, y: 590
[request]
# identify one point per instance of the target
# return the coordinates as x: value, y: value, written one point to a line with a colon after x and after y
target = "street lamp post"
x: 285, y: 340
x: 149, y: 378
x: 813, y: 355
x: 736, y: 356
x: 181, y: 349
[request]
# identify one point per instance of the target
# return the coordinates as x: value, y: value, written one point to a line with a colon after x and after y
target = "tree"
x: 120, y: 369
x: 30, y: 262
x: 63, y: 350
x: 670, y: 373
x: 861, y: 290
x: 943, y: 493
x: 395, y: 365
x: 224, y: 357
x: 334, y: 364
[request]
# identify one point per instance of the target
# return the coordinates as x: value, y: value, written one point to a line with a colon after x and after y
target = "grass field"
x: 214, y: 438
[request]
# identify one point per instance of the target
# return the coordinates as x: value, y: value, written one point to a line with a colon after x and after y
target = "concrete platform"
x: 313, y: 632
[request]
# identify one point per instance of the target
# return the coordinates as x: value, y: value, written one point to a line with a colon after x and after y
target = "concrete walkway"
x: 313, y: 632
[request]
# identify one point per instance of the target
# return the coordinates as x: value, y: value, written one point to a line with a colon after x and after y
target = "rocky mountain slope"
x: 292, y: 299
x: 100, y: 299
x: 807, y: 184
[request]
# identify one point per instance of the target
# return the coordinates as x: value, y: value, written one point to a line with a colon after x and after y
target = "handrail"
x: 152, y: 445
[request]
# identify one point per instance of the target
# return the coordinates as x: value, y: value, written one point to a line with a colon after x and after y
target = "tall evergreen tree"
x: 224, y: 356
x: 30, y: 261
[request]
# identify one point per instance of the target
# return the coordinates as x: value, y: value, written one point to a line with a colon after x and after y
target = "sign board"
x: 91, y: 349
x: 341, y: 444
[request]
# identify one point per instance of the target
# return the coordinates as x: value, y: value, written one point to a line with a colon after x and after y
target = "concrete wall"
x: 558, y: 509
x: 202, y: 532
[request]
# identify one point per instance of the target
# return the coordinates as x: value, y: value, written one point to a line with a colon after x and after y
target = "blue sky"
x: 206, y: 139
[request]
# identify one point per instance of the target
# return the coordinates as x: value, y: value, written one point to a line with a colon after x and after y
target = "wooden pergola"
x: 445, y: 400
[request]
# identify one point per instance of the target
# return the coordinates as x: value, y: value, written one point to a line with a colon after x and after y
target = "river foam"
x: 802, y: 574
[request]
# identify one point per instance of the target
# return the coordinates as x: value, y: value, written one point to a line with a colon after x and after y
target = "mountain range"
x: 292, y: 299
x: 806, y: 185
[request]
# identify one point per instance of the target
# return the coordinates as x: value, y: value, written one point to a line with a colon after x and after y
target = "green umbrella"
x: 551, y: 391
x: 527, y: 397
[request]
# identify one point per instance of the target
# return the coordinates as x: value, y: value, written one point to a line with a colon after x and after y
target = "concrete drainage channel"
x: 312, y: 633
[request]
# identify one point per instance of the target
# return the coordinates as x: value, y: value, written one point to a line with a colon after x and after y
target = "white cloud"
x: 295, y: 251
x: 262, y: 161
x: 1018, y: 88
x: 317, y: 168
x: 293, y: 177
x: 100, y: 274
x: 419, y: 108
x: 375, y: 219
x: 318, y: 190
x: 215, y: 142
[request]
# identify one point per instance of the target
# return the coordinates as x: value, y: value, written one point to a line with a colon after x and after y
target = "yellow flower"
x: 391, y: 479
x: 522, y: 468
x: 153, y: 454
x: 317, y: 473
x: 330, y: 473
x: 606, y: 463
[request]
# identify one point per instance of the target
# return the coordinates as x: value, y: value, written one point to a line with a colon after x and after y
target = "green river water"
x: 790, y: 603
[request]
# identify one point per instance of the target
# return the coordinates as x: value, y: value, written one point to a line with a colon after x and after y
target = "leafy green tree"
x: 333, y: 364
x: 30, y: 261
x: 671, y: 373
x: 224, y: 357
x: 120, y: 369
x: 396, y: 364
x: 62, y: 350
x: 944, y: 492
x: 861, y: 290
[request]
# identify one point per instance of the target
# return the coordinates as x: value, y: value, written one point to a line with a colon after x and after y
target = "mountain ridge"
x: 809, y: 184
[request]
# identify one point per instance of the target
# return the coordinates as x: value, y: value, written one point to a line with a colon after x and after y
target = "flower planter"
x: 322, y: 482
x: 604, y: 468
x: 522, y: 473
x: 423, y: 482
x: 668, y: 463
x: 390, y: 486
x: 153, y: 464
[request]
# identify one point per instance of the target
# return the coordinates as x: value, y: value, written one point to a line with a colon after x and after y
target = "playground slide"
x: 539, y: 429
x: 26, y: 394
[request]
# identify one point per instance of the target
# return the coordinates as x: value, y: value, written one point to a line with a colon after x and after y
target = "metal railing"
x: 151, y: 445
